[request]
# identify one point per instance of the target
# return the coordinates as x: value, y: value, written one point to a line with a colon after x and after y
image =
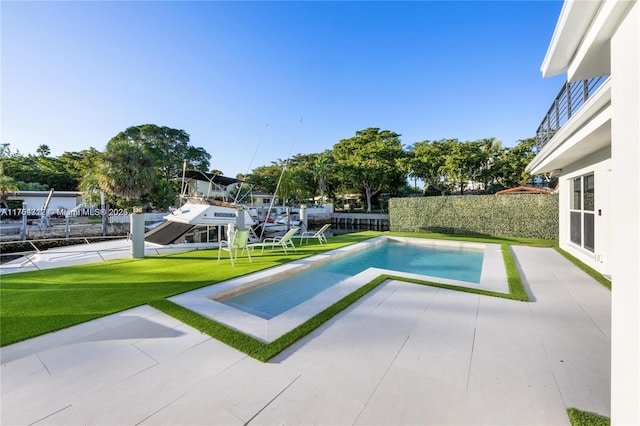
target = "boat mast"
x: 251, y: 161
x: 183, y: 187
x: 284, y: 167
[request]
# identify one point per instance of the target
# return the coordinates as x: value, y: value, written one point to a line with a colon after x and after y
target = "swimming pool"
x: 270, y: 300
x: 206, y: 300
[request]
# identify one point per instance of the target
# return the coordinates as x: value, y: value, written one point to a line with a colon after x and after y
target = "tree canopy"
x: 370, y: 161
x: 138, y: 166
x: 141, y: 161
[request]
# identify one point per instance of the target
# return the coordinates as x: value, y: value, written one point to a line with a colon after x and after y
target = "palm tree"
x: 43, y: 150
x: 7, y: 184
x: 491, y: 149
x: 321, y: 169
x: 127, y: 171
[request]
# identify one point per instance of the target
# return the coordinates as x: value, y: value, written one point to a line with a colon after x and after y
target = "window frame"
x: 582, y: 216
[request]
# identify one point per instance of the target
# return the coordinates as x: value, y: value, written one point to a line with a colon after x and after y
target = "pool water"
x: 277, y: 297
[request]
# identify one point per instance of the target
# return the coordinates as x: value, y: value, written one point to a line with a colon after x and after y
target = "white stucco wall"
x: 57, y: 204
x: 625, y: 198
x: 599, y: 164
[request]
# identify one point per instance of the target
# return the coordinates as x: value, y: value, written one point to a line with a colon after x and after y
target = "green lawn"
x: 38, y: 302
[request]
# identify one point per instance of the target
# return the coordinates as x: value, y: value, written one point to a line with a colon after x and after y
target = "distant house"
x: 60, y: 202
x: 262, y: 199
x: 590, y: 140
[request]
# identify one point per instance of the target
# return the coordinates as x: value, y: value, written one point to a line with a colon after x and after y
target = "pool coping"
x: 204, y: 300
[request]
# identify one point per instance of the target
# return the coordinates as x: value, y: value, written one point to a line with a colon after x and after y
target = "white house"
x: 59, y: 201
x: 590, y: 138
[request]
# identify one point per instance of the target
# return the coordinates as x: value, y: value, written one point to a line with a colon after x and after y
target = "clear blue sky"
x: 239, y: 76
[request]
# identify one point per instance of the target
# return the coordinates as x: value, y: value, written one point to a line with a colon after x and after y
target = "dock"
x: 372, y: 220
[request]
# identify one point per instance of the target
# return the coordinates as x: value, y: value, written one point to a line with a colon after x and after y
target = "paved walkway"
x: 405, y: 354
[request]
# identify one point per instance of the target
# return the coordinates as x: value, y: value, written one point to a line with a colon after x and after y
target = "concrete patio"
x: 404, y: 354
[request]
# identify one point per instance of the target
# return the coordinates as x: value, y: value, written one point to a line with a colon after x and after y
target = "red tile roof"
x: 524, y: 190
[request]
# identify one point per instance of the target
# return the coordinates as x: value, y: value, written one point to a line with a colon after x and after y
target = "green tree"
x: 490, y: 151
x: 265, y: 178
x: 168, y: 150
x: 43, y: 150
x: 463, y: 162
x: 428, y: 162
x: 167, y: 147
x: 7, y: 184
x: 406, y: 165
x: 303, y: 169
x: 78, y: 164
x: 370, y: 161
x: 322, y: 168
x: 513, y: 162
x: 47, y: 171
x: 87, y: 164
x: 127, y: 171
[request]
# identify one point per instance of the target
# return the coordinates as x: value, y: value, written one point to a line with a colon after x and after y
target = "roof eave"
x: 575, y: 18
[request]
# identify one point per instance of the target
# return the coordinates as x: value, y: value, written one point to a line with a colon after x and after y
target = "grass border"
x: 586, y: 268
x: 579, y: 417
x: 264, y: 351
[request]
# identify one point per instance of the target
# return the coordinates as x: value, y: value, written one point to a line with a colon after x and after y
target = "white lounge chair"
x: 285, y: 241
x: 319, y: 234
x: 239, y: 241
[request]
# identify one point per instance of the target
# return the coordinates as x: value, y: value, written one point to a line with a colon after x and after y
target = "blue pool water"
x: 445, y: 262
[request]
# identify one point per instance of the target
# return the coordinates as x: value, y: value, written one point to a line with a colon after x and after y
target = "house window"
x: 582, y: 212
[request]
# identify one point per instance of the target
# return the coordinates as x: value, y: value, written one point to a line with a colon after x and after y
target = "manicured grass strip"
x: 516, y: 287
x: 487, y: 239
x: 479, y: 291
x: 585, y: 418
x: 221, y: 332
x: 586, y: 268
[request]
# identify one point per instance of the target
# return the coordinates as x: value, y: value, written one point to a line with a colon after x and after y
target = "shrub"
x: 514, y: 215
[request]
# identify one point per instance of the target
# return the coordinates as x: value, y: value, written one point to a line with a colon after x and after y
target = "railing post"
x: 557, y: 108
x: 585, y: 89
x: 568, y: 101
x: 23, y: 230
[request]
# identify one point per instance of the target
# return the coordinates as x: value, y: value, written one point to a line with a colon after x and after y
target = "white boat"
x: 209, y: 212
x: 206, y: 201
x: 278, y: 224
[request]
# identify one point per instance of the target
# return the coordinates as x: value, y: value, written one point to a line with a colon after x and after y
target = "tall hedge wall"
x: 512, y: 215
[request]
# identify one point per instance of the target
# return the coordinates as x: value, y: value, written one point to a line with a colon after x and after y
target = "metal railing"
x: 571, y: 98
x: 20, y: 248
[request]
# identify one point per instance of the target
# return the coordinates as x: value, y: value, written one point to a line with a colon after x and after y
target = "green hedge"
x: 513, y: 215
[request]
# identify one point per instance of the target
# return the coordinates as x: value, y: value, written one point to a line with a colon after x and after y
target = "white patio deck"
x: 404, y: 354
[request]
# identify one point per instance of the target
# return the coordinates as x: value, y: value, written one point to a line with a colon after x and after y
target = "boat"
x: 281, y: 223
x: 206, y: 200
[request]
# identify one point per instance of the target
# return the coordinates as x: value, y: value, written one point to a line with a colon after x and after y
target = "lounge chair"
x: 319, y: 234
x: 239, y: 241
x: 285, y: 241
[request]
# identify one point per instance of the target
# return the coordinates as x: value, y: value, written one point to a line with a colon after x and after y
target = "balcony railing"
x: 571, y: 98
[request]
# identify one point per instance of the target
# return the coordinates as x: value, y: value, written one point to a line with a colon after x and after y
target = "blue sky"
x: 240, y: 76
